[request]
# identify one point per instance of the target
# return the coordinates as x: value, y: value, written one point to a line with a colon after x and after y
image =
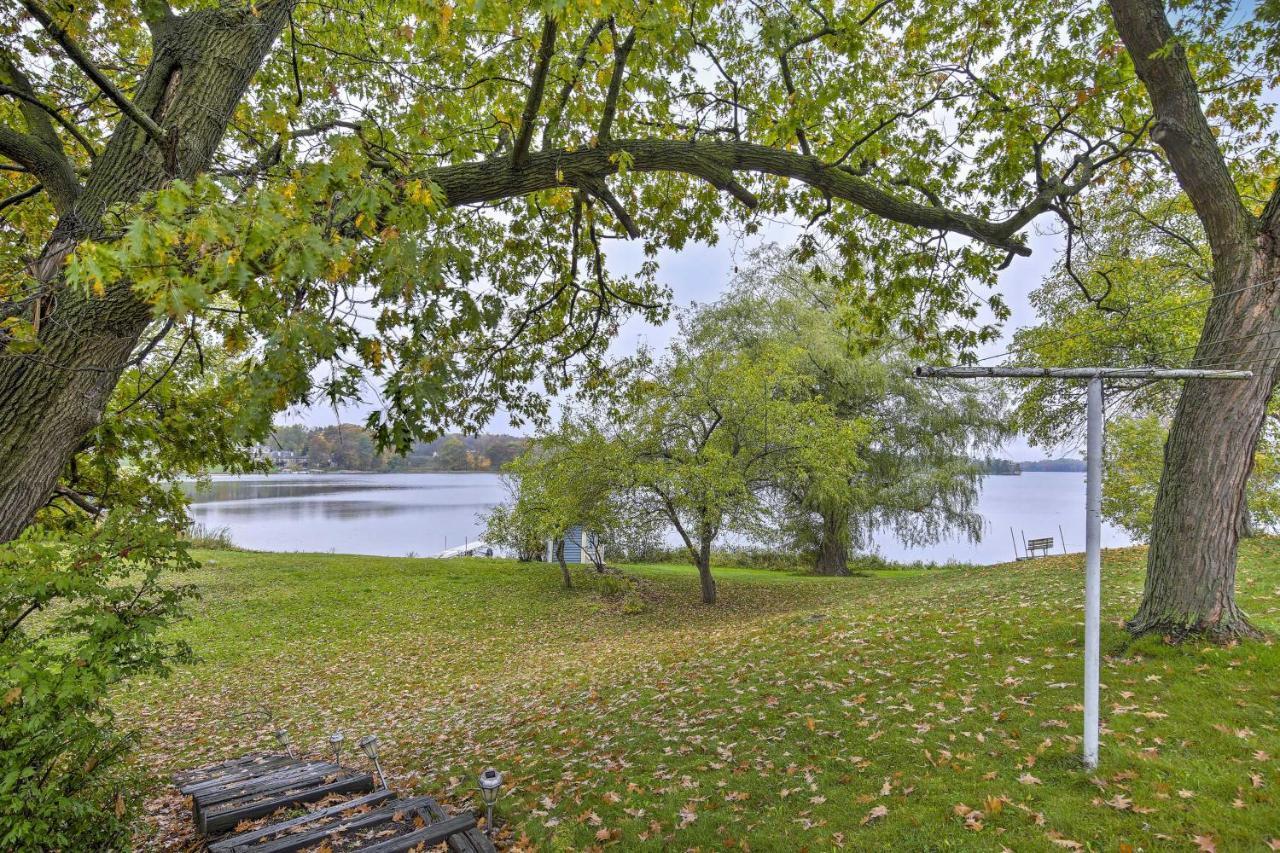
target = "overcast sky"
x: 700, y: 273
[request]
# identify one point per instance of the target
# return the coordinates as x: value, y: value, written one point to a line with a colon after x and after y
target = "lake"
x: 423, y: 514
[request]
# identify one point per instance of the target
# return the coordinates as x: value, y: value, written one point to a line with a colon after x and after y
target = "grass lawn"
x: 903, y: 710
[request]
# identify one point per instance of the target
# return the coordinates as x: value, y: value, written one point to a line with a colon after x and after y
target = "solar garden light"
x: 369, y: 743
x: 285, y: 741
x: 490, y: 783
x: 335, y: 741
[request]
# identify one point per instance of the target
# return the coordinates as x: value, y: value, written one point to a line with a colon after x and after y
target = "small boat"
x: 471, y: 549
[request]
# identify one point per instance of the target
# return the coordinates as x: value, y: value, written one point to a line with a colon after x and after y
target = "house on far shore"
x: 577, y: 546
x: 278, y: 458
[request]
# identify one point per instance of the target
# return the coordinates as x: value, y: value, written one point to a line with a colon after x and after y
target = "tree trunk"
x: 1246, y: 528
x: 833, y: 549
x: 1196, y: 526
x: 51, y: 399
x: 564, y: 567
x: 704, y: 572
x: 1191, y: 564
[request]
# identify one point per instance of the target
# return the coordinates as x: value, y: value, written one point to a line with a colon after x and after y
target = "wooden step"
x: 253, y: 786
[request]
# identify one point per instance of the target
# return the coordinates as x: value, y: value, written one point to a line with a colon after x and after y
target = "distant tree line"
x: 349, y: 447
x: 991, y: 465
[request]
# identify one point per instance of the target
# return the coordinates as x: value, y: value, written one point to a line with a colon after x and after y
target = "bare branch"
x: 791, y: 92
x: 533, y: 101
x: 18, y: 198
x: 78, y: 499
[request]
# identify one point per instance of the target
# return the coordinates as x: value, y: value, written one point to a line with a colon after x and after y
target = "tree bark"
x: 833, y: 549
x: 50, y: 400
x: 705, y: 579
x: 1191, y: 563
x: 564, y: 567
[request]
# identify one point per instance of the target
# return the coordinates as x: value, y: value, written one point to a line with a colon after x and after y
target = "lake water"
x: 423, y: 514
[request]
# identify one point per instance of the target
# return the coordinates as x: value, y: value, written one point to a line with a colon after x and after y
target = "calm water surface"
x: 423, y: 514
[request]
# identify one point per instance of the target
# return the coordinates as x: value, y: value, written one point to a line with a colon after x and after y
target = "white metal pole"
x: 1092, y: 571
x: 1093, y: 495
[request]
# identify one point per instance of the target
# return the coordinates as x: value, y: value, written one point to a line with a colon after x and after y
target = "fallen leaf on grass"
x: 1059, y: 840
x: 1028, y: 779
x: 874, y: 815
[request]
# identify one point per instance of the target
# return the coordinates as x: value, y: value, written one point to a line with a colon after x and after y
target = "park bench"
x: 1043, y: 546
x: 239, y: 794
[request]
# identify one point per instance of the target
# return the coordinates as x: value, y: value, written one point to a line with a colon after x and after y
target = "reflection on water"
x: 391, y: 514
x: 398, y: 514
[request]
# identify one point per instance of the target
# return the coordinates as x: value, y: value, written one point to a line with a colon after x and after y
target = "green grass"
x: 785, y: 717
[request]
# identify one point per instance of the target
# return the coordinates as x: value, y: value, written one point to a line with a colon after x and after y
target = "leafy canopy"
x: 422, y: 195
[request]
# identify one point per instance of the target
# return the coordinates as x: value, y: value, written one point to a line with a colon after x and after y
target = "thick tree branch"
x: 562, y: 100
x: 620, y: 54
x: 533, y: 102
x: 62, y: 120
x: 1181, y: 128
x: 717, y: 162
x: 34, y: 112
x: 156, y: 14
x: 50, y: 166
x: 86, y: 64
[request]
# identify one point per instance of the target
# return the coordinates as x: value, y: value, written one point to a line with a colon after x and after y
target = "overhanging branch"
x: 719, y: 162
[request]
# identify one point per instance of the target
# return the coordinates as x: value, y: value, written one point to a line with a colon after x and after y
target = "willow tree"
x: 421, y: 192
x: 916, y: 474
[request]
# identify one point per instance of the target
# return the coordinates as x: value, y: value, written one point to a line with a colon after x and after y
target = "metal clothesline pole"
x: 1093, y: 496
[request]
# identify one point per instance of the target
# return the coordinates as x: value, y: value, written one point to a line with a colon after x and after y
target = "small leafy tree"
x: 555, y: 486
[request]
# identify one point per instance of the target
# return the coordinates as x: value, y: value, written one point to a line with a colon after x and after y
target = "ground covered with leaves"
x: 896, y: 710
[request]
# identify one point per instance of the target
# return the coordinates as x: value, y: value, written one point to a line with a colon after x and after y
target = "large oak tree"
x: 422, y: 192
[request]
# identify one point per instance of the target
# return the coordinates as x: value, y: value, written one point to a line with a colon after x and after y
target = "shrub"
x: 731, y: 557
x: 612, y: 585
x: 79, y: 613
